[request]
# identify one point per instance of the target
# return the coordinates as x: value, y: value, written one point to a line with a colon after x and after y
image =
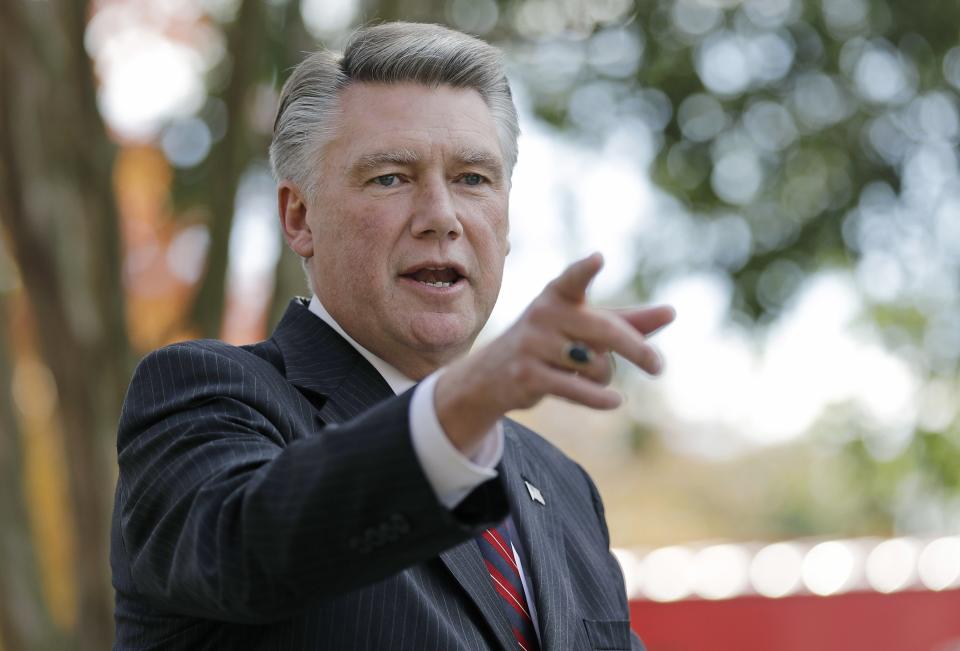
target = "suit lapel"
x: 544, y: 545
x: 467, y: 567
x: 322, y: 364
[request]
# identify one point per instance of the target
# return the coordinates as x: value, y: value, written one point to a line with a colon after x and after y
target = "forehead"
x: 413, y: 117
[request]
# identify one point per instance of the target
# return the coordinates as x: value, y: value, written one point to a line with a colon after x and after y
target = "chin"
x: 444, y: 332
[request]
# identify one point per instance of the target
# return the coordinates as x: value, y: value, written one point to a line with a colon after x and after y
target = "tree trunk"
x: 25, y: 622
x: 57, y: 208
x: 228, y: 160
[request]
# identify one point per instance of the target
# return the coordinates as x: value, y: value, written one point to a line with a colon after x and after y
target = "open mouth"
x: 435, y: 276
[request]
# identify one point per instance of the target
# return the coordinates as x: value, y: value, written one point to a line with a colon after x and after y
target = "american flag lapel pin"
x: 535, y: 493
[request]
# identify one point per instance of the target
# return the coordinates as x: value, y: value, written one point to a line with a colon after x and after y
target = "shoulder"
x: 196, y: 348
x: 207, y: 360
x: 538, y: 447
x: 190, y: 374
x: 578, y: 488
x: 549, y: 457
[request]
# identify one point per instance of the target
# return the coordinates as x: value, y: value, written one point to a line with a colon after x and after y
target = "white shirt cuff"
x: 451, y: 474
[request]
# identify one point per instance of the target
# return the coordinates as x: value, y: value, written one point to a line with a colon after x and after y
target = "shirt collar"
x: 397, y: 380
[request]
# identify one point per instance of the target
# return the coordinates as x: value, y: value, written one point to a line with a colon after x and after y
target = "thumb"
x: 572, y: 284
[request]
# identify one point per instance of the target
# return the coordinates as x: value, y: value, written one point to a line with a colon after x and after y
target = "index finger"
x: 572, y: 284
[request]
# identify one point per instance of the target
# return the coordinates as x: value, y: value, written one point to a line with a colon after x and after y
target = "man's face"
x: 409, y: 225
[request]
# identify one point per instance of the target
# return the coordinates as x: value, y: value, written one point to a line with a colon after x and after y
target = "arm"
x: 221, y: 517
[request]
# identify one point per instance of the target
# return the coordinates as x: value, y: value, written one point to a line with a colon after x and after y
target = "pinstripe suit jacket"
x: 269, y: 498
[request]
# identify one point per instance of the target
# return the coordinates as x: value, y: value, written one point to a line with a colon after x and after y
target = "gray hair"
x: 389, y: 53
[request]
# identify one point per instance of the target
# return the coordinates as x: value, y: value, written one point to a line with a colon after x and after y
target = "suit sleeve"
x: 222, y: 515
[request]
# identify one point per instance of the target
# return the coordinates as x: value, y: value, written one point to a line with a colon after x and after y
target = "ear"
x: 293, y: 219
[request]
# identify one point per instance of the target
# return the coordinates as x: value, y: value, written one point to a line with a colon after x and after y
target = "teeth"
x: 439, y: 283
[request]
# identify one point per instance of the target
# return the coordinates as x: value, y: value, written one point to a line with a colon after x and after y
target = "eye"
x: 386, y: 180
x: 472, y: 179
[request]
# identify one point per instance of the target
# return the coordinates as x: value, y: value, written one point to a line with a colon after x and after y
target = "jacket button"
x: 400, y: 524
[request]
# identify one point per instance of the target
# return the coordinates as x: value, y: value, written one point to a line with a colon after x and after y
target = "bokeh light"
x: 892, y: 565
x: 668, y: 574
x: 721, y: 571
x: 776, y: 570
x: 939, y: 565
x: 828, y: 567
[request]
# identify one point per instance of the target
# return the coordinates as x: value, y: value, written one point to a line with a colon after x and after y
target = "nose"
x: 435, y: 214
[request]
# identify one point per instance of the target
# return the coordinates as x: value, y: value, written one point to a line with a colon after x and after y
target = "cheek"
x: 361, y: 234
x: 491, y: 255
x: 342, y: 245
x: 495, y: 223
x: 495, y: 247
x: 501, y: 227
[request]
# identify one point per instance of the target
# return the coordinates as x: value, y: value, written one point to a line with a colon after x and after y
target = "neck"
x: 415, y: 360
x: 415, y: 364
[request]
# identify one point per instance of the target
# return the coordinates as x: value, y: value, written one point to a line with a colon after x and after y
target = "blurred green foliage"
x: 795, y: 136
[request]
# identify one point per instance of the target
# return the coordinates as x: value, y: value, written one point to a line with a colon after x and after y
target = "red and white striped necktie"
x: 497, y: 551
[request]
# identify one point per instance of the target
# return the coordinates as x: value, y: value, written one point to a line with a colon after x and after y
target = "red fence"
x: 856, y: 621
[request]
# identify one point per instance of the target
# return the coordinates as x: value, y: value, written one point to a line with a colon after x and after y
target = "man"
x: 352, y: 482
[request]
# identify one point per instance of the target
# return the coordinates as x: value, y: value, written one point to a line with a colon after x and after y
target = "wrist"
x: 464, y: 413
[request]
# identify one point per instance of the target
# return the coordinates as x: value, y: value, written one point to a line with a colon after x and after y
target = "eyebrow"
x: 487, y: 160
x: 378, y: 159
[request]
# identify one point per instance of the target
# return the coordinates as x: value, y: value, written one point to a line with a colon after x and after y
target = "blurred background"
x: 784, y: 172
